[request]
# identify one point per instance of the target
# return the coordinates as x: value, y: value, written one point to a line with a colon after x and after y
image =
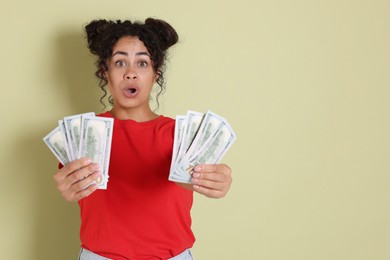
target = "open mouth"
x: 130, y: 92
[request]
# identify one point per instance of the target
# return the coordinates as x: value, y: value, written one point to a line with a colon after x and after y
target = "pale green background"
x: 305, y: 85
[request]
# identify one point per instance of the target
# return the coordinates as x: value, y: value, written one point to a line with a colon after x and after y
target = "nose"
x: 130, y: 74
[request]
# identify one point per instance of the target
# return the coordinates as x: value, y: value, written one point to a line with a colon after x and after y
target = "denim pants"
x: 88, y: 255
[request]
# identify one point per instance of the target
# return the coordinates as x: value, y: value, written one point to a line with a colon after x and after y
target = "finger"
x: 212, y: 168
x: 85, y: 182
x: 82, y: 173
x: 83, y: 193
x: 210, y: 184
x: 218, y: 177
x: 210, y: 193
x: 71, y: 167
x: 86, y: 192
x: 76, y: 165
x: 76, y: 191
x: 76, y: 176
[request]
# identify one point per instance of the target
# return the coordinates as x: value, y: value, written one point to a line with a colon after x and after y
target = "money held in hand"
x: 198, y: 139
x: 83, y: 135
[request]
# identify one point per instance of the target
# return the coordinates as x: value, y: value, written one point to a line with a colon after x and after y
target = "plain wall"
x: 305, y: 85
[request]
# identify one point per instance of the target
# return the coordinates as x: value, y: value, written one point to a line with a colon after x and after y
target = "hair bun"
x: 163, y: 31
x: 96, y: 32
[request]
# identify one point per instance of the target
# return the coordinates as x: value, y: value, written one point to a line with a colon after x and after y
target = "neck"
x: 136, y: 115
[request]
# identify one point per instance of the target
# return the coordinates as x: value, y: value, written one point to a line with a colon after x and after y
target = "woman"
x: 141, y: 215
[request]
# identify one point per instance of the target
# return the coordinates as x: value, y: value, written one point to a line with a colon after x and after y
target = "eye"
x: 142, y: 63
x: 120, y: 63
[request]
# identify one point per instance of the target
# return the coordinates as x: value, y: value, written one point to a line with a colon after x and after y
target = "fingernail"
x: 97, y: 176
x: 198, y: 168
x: 95, y: 166
x: 196, y: 175
x: 194, y: 181
x: 87, y: 160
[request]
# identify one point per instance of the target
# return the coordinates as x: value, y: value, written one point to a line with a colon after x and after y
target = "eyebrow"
x: 126, y: 54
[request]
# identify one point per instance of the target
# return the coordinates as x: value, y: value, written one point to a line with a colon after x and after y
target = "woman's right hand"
x: 73, y: 179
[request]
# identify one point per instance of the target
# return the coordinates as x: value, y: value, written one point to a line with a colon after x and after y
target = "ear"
x: 158, y: 73
x: 105, y: 73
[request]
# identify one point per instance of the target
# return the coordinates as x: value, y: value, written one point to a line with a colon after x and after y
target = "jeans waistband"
x: 88, y: 255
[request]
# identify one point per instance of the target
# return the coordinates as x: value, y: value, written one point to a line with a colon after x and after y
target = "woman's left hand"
x: 212, y: 180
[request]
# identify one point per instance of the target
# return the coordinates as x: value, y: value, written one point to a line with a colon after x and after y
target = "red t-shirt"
x: 141, y: 215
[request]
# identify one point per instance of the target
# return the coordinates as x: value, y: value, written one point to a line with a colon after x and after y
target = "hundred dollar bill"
x: 73, y: 131
x: 65, y: 136
x: 210, y: 124
x: 210, y: 153
x: 181, y: 122
x: 193, y: 122
x: 57, y: 145
x: 95, y: 143
x: 179, y: 127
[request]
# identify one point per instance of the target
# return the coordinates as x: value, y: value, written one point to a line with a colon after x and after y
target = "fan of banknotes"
x: 83, y: 135
x: 199, y: 139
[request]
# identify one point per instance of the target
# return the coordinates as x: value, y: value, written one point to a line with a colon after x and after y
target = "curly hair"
x: 157, y: 36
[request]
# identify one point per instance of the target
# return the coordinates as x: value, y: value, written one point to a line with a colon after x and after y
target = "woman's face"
x: 130, y: 75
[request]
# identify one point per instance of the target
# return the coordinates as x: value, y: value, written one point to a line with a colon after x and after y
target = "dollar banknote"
x: 83, y: 135
x: 212, y: 139
x: 95, y: 143
x: 190, y: 129
x: 73, y: 130
x: 209, y: 126
x: 57, y: 145
x: 178, y: 135
x: 61, y: 125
